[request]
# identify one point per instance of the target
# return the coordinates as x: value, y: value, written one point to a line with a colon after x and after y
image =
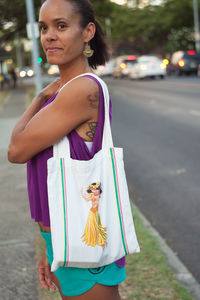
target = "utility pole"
x: 108, y: 27
x: 18, y: 51
x: 196, y: 25
x: 35, y: 50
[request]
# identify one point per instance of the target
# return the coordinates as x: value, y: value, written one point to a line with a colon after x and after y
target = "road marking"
x: 178, y: 171
x: 14, y: 243
x: 21, y: 186
x: 194, y: 112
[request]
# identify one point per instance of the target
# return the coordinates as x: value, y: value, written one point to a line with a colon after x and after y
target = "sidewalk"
x: 18, y: 275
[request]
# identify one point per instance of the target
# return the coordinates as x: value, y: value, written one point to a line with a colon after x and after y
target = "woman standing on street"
x: 72, y: 39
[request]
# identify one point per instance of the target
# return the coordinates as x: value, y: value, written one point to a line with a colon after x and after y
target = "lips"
x: 53, y: 49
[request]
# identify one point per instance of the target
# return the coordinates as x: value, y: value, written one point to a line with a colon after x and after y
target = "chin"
x: 53, y: 61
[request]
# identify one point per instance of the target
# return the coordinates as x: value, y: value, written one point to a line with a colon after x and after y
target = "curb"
x: 183, y: 275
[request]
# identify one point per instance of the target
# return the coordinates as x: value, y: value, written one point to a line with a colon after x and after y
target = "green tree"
x: 14, y: 14
x: 151, y: 29
x: 180, y: 39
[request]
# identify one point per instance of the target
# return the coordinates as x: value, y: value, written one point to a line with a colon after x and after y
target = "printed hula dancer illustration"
x: 95, y: 233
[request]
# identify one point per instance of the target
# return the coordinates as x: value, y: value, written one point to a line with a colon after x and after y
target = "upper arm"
x: 70, y: 109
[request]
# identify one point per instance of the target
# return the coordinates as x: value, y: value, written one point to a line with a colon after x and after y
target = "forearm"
x: 33, y: 109
x: 15, y: 141
x: 21, y: 139
x: 45, y: 250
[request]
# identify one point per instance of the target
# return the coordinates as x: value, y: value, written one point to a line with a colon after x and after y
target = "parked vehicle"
x: 122, y: 65
x: 198, y: 71
x: 148, y: 66
x: 53, y: 70
x: 184, y: 62
x: 106, y: 70
x: 26, y: 72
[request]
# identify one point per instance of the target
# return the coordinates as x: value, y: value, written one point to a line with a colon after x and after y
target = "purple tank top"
x: 37, y: 166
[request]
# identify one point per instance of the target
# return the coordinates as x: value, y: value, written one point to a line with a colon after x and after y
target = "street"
x: 158, y: 124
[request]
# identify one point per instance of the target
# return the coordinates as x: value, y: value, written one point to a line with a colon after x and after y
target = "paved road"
x: 17, y: 236
x: 158, y: 124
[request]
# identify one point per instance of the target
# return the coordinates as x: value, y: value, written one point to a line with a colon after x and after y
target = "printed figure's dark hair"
x: 98, y: 44
x: 97, y: 188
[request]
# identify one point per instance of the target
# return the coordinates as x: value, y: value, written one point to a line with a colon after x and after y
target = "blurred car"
x: 122, y: 65
x: 106, y: 70
x: 184, y: 62
x: 26, y: 72
x: 53, y: 70
x: 198, y: 71
x: 148, y: 66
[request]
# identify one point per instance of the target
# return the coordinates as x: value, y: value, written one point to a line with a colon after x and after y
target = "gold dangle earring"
x: 88, y: 52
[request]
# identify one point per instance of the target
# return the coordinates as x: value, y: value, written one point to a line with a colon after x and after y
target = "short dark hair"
x: 98, y: 43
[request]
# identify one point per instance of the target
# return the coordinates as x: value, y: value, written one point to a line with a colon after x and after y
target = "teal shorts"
x: 76, y: 281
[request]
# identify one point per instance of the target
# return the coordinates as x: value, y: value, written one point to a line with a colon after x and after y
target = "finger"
x: 49, y: 278
x: 41, y: 277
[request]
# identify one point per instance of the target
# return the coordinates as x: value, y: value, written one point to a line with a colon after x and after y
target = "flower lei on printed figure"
x: 95, y: 233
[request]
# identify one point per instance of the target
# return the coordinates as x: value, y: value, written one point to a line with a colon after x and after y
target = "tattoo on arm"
x: 94, y: 100
x: 43, y: 97
x: 91, y: 132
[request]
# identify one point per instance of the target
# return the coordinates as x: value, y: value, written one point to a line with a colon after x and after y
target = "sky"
x: 156, y: 2
x: 118, y: 1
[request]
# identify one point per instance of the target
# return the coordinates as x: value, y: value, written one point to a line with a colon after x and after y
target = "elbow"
x: 14, y: 156
x: 11, y: 154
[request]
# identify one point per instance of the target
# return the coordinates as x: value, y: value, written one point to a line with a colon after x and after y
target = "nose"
x: 51, y: 35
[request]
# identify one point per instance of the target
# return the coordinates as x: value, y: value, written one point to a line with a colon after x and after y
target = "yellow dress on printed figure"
x: 95, y: 233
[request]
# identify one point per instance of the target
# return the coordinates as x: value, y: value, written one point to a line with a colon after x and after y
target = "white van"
x: 148, y: 66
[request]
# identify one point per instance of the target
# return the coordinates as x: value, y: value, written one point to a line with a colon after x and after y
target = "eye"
x: 62, y: 26
x: 42, y: 28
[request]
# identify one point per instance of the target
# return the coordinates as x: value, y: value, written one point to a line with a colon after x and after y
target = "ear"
x: 89, y: 32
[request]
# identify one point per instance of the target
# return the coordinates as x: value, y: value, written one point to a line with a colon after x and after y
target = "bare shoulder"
x: 82, y: 91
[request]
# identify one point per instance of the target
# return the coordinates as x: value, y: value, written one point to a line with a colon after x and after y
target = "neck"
x: 73, y: 69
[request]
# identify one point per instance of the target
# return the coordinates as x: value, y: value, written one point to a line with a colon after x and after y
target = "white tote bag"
x: 90, y: 214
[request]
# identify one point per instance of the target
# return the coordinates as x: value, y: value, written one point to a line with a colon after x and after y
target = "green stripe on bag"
x: 117, y: 199
x: 63, y: 196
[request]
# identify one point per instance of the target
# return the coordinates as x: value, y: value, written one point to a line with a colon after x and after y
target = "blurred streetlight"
x: 196, y: 25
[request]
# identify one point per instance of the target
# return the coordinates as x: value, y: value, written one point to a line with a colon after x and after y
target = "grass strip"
x: 148, y: 275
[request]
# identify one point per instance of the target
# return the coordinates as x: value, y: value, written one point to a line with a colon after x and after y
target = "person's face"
x: 95, y: 192
x: 62, y: 37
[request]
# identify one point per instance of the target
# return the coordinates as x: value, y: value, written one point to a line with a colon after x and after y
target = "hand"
x: 51, y: 89
x: 45, y: 275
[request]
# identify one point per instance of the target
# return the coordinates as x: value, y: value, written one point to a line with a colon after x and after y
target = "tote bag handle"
x: 62, y: 148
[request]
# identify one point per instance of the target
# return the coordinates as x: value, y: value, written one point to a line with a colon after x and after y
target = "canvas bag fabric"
x: 84, y: 234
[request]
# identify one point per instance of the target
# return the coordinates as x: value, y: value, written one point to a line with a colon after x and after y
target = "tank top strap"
x: 78, y: 148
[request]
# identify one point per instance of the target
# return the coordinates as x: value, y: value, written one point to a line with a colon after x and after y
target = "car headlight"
x: 22, y: 74
x: 181, y: 63
x: 30, y: 73
x: 166, y: 61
